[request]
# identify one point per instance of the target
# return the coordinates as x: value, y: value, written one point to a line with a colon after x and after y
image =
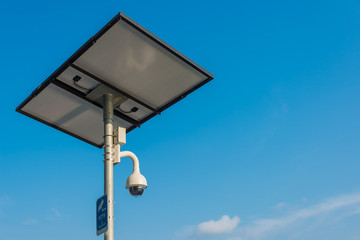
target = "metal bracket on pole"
x: 119, y: 140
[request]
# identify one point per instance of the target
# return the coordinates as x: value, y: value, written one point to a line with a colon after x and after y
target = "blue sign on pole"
x: 101, y: 215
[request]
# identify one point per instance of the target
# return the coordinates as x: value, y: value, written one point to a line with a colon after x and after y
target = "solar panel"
x: 144, y: 74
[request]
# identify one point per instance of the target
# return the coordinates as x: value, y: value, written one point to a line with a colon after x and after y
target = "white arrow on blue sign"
x: 101, y: 215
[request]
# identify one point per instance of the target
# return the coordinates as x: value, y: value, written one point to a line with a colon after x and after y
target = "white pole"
x: 109, y: 162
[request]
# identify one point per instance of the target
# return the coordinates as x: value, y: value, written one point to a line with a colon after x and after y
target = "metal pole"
x: 109, y: 162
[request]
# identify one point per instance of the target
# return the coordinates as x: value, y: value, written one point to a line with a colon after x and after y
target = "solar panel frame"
x: 52, y: 79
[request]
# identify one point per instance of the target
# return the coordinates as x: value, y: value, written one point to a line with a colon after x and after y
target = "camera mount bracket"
x: 119, y: 140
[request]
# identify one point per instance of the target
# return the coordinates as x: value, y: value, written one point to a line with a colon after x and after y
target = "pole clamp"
x: 119, y: 140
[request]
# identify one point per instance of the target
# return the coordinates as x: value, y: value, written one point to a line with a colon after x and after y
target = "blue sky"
x: 268, y: 150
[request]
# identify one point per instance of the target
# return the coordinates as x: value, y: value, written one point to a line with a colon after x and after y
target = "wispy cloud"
x: 5, y: 201
x: 224, y: 225
x: 307, y: 220
x: 55, y: 215
x: 56, y: 212
x: 30, y: 221
x: 280, y: 205
x: 260, y: 228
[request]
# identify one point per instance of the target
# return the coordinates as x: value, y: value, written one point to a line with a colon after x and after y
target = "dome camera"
x: 136, y: 191
x: 136, y: 183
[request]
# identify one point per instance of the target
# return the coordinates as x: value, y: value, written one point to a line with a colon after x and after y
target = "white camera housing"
x: 136, y: 182
x: 136, y: 179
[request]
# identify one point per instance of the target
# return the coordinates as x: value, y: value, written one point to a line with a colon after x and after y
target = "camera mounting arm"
x: 136, y: 182
x: 119, y: 140
x: 133, y: 157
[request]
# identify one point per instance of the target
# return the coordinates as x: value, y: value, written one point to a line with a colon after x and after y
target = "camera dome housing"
x: 136, y: 183
x: 136, y: 191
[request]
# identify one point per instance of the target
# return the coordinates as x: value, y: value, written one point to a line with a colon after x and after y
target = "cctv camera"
x: 136, y: 184
x: 136, y: 191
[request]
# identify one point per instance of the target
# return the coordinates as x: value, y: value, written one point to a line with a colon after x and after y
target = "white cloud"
x: 5, y: 200
x: 224, y: 225
x: 261, y: 228
x: 55, y: 215
x: 280, y: 205
x: 355, y: 212
x: 324, y: 218
x: 56, y: 212
x: 30, y: 221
